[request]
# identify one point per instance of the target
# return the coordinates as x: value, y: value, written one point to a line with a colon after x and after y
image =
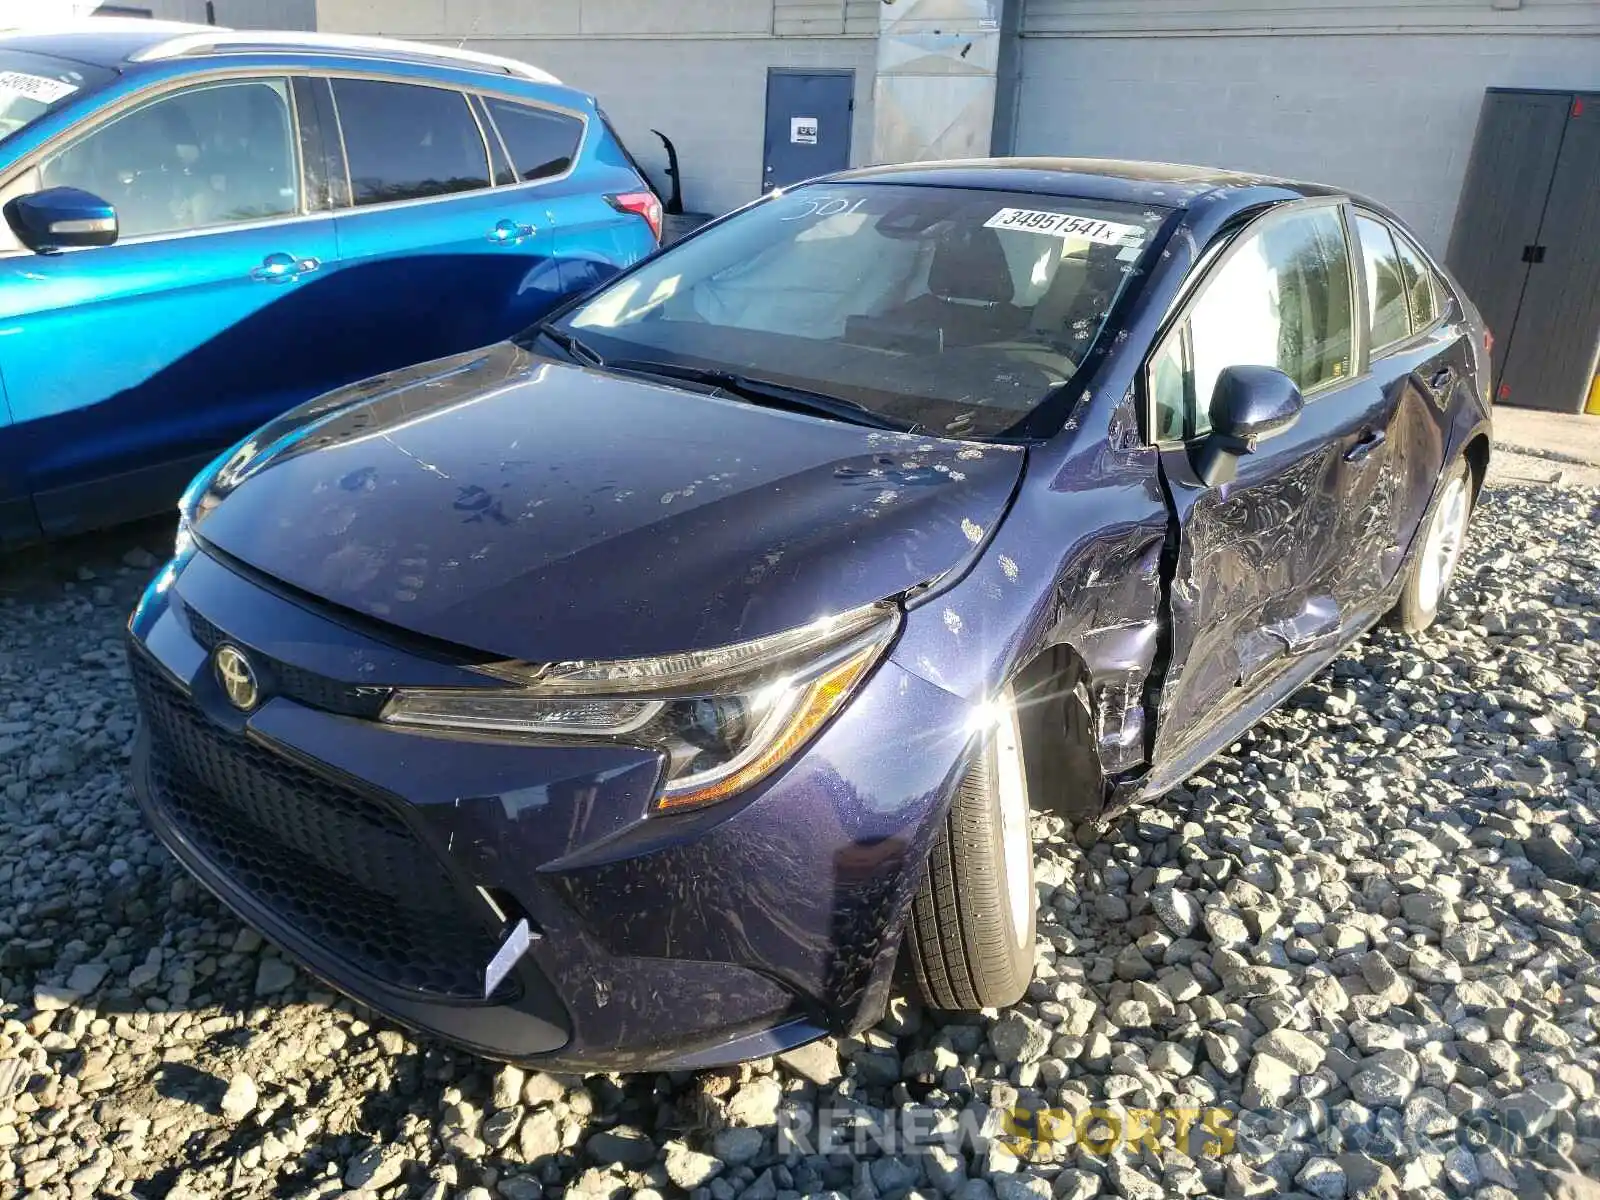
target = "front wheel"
x: 1443, y: 539
x: 972, y: 924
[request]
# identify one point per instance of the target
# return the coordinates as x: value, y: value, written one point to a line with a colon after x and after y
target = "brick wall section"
x: 1391, y: 116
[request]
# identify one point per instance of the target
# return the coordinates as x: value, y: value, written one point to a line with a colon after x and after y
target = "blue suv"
x: 203, y: 228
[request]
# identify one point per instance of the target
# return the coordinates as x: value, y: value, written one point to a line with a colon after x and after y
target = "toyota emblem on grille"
x: 237, y: 677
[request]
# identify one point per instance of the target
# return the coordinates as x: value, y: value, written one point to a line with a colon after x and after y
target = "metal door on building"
x: 809, y: 113
x: 1526, y: 243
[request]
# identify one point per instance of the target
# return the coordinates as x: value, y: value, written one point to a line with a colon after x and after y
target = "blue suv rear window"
x: 406, y: 142
x: 542, y: 143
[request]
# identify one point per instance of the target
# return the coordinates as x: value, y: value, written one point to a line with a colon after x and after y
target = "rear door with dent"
x: 1423, y: 374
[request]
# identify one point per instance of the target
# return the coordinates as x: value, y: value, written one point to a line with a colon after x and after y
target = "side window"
x: 406, y: 142
x: 1386, y: 285
x: 542, y: 143
x: 211, y: 155
x: 1282, y: 299
x: 1167, y: 383
x: 1419, y: 285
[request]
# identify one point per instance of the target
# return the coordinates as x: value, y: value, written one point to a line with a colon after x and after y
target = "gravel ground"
x: 1366, y: 938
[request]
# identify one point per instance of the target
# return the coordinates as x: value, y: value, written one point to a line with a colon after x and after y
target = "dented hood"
x: 534, y: 510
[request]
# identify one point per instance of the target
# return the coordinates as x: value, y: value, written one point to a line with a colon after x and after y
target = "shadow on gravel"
x: 37, y: 572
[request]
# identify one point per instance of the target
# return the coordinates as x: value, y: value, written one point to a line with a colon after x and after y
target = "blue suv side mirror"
x: 62, y: 217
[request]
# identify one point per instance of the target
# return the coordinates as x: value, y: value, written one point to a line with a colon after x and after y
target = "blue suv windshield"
x: 945, y: 310
x: 33, y: 84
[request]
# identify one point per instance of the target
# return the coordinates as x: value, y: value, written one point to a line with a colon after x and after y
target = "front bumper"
x: 392, y: 863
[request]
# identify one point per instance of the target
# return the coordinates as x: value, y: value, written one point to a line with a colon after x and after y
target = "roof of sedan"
x: 1162, y: 185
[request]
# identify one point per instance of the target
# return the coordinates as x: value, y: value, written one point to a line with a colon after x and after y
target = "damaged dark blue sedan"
x: 665, y: 687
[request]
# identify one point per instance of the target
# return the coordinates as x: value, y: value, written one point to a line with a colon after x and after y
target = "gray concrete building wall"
x: 1382, y: 98
x: 237, y: 14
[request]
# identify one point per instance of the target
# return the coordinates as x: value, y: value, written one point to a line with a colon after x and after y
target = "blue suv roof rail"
x: 223, y: 41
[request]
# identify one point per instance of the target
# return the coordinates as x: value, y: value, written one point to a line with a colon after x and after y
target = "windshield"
x: 33, y: 84
x: 948, y: 310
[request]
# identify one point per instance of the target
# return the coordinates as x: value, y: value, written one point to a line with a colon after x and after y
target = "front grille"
x: 301, y: 686
x: 337, y: 865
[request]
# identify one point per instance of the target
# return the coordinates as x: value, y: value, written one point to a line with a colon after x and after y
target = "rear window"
x: 946, y: 309
x: 406, y: 142
x: 1386, y: 285
x: 615, y: 140
x: 32, y: 85
x: 1420, y: 286
x: 542, y: 143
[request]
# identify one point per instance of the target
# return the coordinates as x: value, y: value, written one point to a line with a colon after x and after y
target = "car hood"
x: 533, y: 510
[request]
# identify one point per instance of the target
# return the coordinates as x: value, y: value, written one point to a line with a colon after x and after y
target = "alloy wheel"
x: 1446, y: 537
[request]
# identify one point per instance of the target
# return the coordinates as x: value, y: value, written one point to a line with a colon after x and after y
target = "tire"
x: 1443, y: 537
x: 972, y: 924
x: 1057, y: 722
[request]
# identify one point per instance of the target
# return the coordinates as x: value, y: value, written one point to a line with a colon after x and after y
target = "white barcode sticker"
x: 35, y: 87
x: 1066, y: 225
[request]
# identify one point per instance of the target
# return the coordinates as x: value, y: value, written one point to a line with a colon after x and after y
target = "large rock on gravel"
x: 508, y: 1084
x: 239, y: 1101
x: 1268, y: 1082
x: 624, y: 1145
x: 1385, y: 1079
x: 737, y: 1146
x: 689, y: 1169
x: 375, y: 1169
x: 273, y: 976
x: 1555, y: 859
x: 1323, y: 1178
x: 539, y: 1136
x: 1016, y: 1038
x: 1178, y: 910
x: 756, y: 1103
x: 1131, y: 1183
x: 816, y: 1061
x: 1300, y: 1051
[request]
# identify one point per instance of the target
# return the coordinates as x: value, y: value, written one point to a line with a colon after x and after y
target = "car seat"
x: 970, y: 291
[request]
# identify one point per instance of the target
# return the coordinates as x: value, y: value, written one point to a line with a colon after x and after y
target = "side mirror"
x: 1248, y: 405
x: 61, y: 217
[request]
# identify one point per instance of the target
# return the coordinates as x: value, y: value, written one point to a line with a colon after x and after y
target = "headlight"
x: 724, y: 718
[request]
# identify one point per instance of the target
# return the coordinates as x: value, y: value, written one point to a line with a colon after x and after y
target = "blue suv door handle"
x: 284, y: 268
x: 508, y: 232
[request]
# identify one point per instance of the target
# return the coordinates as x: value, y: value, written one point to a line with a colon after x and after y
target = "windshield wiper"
x: 574, y: 348
x: 765, y: 391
